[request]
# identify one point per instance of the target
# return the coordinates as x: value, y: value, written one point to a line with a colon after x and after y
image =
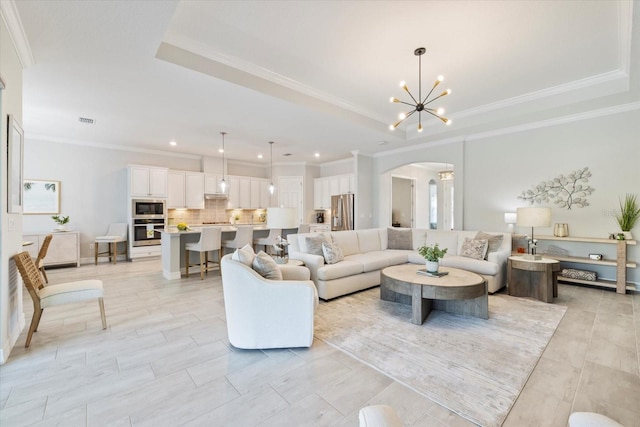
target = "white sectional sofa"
x: 368, y: 251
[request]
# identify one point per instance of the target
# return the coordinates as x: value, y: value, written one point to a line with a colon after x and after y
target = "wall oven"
x: 148, y: 219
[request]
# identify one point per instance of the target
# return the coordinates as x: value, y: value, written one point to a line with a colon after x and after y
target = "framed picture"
x: 15, y: 150
x: 41, y: 197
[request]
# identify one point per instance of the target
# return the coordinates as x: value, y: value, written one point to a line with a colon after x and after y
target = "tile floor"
x: 165, y: 361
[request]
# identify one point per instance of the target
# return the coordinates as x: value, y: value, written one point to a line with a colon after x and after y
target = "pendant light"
x: 223, y: 183
x: 271, y: 186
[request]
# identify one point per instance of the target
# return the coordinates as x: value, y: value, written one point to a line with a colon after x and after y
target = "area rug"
x: 474, y: 367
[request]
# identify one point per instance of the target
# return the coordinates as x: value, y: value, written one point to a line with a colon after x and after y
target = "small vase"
x: 432, y: 266
x: 627, y: 235
x: 561, y: 230
x: 62, y: 227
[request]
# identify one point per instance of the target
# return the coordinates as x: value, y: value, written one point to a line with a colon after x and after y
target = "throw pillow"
x: 495, y: 240
x: 245, y: 255
x: 473, y: 248
x: 332, y: 253
x: 399, y: 238
x: 314, y: 244
x: 266, y: 266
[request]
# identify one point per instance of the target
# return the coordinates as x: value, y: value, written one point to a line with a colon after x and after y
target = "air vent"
x: 86, y: 120
x: 287, y: 154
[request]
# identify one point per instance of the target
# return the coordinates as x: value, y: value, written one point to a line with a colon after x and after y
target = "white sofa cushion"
x: 347, y: 240
x: 370, y: 261
x: 419, y: 237
x: 478, y: 266
x: 444, y: 239
x: 397, y: 256
x: 369, y: 240
x: 342, y: 269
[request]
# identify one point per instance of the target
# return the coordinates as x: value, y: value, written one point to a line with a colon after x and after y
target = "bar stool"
x: 267, y: 242
x: 244, y: 236
x: 210, y: 240
x: 116, y: 233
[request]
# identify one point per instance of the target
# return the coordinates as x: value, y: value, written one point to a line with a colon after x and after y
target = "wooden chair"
x: 43, y: 253
x: 48, y: 296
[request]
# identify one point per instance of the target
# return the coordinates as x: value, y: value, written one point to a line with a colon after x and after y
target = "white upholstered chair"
x: 116, y: 233
x: 60, y: 294
x: 267, y: 242
x: 264, y: 313
x: 210, y: 241
x: 244, y: 236
x: 591, y: 419
x: 379, y: 416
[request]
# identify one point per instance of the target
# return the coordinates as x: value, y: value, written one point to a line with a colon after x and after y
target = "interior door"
x: 291, y: 194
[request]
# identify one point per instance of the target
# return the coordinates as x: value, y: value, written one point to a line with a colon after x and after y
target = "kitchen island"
x: 174, y: 241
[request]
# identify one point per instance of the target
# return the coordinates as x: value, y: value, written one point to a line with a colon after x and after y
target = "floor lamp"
x: 533, y: 217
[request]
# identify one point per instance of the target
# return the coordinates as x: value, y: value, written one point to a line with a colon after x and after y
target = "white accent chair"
x: 269, y: 241
x: 116, y: 233
x: 379, y: 416
x: 210, y: 240
x: 244, y: 236
x: 591, y: 419
x: 264, y: 313
x: 63, y: 293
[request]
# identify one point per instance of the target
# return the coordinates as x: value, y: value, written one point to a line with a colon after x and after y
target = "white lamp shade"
x: 533, y: 217
x: 282, y: 218
x: 510, y: 217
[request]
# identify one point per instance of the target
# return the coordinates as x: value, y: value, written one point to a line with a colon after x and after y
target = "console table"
x: 64, y: 247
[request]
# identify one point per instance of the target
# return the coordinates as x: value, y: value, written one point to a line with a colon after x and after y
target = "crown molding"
x: 12, y: 19
x: 587, y: 115
x: 45, y: 138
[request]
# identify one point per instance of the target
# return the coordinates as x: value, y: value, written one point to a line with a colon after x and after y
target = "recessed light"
x: 316, y: 155
x: 382, y: 142
x: 259, y: 156
x: 220, y: 150
x: 173, y: 142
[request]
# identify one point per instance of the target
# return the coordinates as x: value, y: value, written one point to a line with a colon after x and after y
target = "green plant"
x: 629, y: 212
x: 60, y: 220
x: 432, y: 253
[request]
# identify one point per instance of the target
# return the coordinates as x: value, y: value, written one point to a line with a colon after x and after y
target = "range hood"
x: 216, y: 196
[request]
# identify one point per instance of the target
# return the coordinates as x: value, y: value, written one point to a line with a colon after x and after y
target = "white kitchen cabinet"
x: 64, y: 247
x: 194, y: 190
x: 212, y: 183
x: 317, y: 193
x: 245, y: 192
x: 322, y: 193
x: 266, y: 199
x: 175, y: 190
x: 345, y: 183
x: 334, y: 185
x: 255, y: 194
x: 319, y: 228
x: 234, y: 192
x: 185, y: 190
x: 148, y: 181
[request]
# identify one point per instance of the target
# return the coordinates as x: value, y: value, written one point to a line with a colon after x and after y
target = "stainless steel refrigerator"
x: 342, y: 208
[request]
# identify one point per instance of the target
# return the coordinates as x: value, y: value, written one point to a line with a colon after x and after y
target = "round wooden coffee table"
x: 459, y: 292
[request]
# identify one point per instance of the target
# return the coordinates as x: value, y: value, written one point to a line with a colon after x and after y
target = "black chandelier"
x: 420, y: 104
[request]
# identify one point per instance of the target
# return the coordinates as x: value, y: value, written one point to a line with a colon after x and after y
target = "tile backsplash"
x: 215, y: 211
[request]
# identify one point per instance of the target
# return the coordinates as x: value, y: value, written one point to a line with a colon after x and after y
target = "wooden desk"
x: 533, y: 278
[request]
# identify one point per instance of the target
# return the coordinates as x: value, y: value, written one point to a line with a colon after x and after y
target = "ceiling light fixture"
x: 271, y: 186
x: 173, y: 143
x: 223, y: 183
x: 420, y: 104
x: 446, y: 175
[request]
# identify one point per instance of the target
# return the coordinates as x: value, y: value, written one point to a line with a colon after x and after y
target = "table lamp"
x: 282, y: 218
x: 533, y: 217
x: 510, y: 218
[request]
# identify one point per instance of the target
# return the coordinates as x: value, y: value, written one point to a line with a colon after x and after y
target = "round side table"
x: 533, y: 278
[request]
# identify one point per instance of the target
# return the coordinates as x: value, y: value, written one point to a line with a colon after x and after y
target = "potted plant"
x: 432, y: 254
x: 629, y: 214
x: 61, y: 221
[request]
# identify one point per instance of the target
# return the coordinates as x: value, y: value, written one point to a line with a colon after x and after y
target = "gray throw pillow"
x: 266, y: 266
x: 399, y: 238
x: 332, y: 253
x: 494, y: 240
x: 473, y: 248
x: 314, y: 244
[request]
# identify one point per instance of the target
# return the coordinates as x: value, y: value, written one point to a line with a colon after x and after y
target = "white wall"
x: 497, y: 169
x: 11, y: 304
x: 93, y: 184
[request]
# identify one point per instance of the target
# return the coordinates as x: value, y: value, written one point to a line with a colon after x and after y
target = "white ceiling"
x: 313, y: 76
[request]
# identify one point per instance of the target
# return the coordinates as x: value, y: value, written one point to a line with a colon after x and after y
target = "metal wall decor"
x: 565, y: 191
